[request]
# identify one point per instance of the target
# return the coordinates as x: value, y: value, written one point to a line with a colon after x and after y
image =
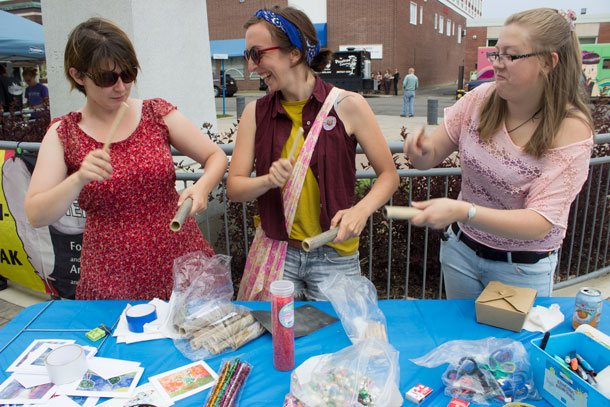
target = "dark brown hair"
x: 305, y: 27
x: 93, y: 45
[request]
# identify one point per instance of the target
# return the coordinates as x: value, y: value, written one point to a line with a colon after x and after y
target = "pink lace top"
x: 498, y: 174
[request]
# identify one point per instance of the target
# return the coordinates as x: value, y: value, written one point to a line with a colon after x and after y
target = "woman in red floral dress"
x: 129, y: 191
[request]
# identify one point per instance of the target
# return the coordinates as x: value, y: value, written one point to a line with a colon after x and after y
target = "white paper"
x: 541, y: 319
x: 197, y: 372
x: 93, y: 385
x: 144, y: 394
x: 157, y: 329
x: 31, y: 380
x: 107, y: 368
x: 33, y: 347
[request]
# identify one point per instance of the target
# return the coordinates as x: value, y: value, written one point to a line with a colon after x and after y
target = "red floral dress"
x: 128, y: 249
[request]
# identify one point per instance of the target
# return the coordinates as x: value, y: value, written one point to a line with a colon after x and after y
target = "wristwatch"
x: 471, y: 212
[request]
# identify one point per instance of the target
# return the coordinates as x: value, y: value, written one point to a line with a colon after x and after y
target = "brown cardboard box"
x: 504, y: 306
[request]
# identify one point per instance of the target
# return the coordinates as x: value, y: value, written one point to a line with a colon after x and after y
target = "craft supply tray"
x: 561, y: 386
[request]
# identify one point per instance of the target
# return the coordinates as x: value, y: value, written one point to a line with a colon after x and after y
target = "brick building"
x: 424, y: 34
x: 591, y: 29
x: 26, y: 9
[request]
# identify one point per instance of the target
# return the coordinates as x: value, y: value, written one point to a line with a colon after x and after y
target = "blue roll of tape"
x: 138, y: 315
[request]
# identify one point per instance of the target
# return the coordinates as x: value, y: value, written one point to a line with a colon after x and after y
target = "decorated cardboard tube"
x: 176, y: 223
x: 312, y: 243
x: 400, y: 212
x: 115, y: 125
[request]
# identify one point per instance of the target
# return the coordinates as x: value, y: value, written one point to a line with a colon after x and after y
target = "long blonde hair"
x: 562, y: 92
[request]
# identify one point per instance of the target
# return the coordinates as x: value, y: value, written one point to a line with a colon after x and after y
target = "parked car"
x: 230, y: 89
x: 470, y: 85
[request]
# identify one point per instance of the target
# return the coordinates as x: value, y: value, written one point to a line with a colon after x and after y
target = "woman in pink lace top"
x: 524, y: 145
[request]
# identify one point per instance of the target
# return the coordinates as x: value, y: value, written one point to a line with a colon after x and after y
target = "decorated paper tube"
x: 181, y: 214
x: 115, y: 124
x: 400, y: 212
x: 312, y: 243
x: 297, y: 139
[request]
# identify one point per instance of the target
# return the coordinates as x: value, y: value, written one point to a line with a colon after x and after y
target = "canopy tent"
x: 20, y: 39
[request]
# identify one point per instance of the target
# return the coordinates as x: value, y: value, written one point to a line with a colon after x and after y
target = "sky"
x: 504, y: 8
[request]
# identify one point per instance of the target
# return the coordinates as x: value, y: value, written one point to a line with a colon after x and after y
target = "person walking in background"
x: 282, y: 47
x: 36, y: 94
x: 524, y: 143
x: 379, y: 81
x: 409, y: 85
x: 396, y: 80
x: 128, y: 189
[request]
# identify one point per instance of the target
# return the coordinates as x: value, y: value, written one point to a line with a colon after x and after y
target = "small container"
x: 587, y: 307
x: 282, y: 319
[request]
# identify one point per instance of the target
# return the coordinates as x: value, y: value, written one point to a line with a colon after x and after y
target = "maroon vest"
x: 333, y: 162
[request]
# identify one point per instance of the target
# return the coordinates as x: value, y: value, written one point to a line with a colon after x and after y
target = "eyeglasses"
x: 106, y: 79
x: 504, y: 58
x: 255, y: 54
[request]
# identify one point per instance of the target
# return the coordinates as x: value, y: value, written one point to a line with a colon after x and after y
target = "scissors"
x: 500, y: 363
x: 514, y: 387
x: 468, y: 377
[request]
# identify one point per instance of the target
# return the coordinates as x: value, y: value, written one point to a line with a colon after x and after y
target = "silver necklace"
x: 531, y: 118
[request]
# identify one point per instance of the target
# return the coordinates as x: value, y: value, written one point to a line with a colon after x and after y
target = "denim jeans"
x: 408, y: 98
x: 465, y: 274
x: 308, y: 270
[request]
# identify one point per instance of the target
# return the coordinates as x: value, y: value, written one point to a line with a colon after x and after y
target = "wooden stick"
x: 400, y: 212
x: 176, y: 223
x: 115, y: 124
x: 312, y: 243
x: 296, y: 143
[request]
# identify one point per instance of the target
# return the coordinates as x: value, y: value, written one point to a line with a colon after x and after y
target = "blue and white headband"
x: 292, y: 32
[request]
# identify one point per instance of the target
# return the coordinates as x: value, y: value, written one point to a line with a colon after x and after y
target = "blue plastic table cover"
x: 414, y: 328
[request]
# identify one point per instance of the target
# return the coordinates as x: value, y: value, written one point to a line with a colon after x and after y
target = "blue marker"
x: 584, y: 363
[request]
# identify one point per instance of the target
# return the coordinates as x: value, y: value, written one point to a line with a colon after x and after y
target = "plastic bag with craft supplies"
x: 366, y: 373
x: 202, y: 313
x: 355, y: 302
x: 490, y: 370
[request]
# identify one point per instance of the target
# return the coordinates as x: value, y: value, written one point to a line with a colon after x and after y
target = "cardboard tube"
x: 115, y: 124
x: 312, y: 243
x: 176, y: 223
x: 400, y: 212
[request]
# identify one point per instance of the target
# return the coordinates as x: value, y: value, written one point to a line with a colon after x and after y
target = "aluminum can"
x: 588, y: 307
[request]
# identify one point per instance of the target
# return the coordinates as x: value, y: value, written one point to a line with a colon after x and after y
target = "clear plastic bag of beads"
x: 364, y: 374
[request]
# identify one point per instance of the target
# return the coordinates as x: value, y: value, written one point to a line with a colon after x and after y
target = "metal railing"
x: 408, y: 264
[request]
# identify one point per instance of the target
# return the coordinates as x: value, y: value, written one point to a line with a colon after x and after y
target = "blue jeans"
x: 465, y: 274
x: 308, y: 270
x: 408, y: 98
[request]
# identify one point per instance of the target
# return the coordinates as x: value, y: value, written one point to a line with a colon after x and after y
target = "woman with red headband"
x: 283, y: 48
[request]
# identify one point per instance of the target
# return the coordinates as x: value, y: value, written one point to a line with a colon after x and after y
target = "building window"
x: 421, y: 14
x: 413, y: 14
x: 448, y: 28
x: 606, y: 64
x: 435, y: 21
x: 492, y: 42
x: 459, y: 34
x: 587, y: 40
x: 441, y: 21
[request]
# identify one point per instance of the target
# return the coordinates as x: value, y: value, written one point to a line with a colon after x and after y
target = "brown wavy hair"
x: 562, y: 94
x: 306, y: 28
x: 95, y: 43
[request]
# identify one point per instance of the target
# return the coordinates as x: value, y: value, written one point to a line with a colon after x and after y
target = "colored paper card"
x: 34, y: 347
x: 12, y: 392
x: 93, y: 385
x: 185, y: 381
x: 144, y: 394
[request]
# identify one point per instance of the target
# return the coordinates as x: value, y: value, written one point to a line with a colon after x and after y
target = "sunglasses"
x: 106, y: 79
x: 255, y: 54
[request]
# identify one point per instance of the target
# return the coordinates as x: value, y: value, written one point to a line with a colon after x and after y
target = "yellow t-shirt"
x: 307, y: 218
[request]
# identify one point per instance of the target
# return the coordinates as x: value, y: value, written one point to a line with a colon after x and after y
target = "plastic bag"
x: 366, y: 373
x: 355, y: 302
x: 485, y: 370
x: 232, y: 378
x: 363, y: 374
x: 202, y: 313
